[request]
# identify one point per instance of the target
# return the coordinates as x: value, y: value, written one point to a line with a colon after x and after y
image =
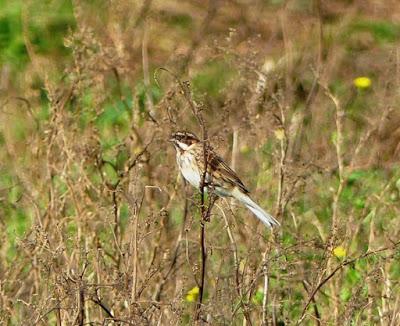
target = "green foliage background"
x: 85, y: 163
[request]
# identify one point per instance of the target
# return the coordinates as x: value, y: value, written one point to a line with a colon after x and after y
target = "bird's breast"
x: 189, y: 169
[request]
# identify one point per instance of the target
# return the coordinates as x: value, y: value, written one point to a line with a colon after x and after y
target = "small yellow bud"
x: 279, y: 134
x: 245, y: 149
x: 339, y: 252
x: 192, y: 294
x: 362, y: 82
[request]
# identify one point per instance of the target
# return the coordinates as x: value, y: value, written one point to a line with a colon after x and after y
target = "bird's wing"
x: 221, y: 171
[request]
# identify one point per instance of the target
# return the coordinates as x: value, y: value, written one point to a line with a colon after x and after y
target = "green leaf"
x: 345, y: 294
x: 356, y: 176
x: 359, y: 203
x: 382, y: 31
x: 258, y: 297
x: 213, y: 78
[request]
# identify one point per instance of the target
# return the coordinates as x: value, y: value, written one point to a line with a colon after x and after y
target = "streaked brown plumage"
x: 220, y: 177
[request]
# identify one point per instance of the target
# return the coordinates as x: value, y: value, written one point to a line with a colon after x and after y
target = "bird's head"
x: 183, y: 140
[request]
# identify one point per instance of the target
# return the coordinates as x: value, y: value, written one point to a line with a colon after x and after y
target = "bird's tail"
x: 262, y: 215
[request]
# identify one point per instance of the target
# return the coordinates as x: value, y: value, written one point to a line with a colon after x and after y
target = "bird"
x: 191, y: 154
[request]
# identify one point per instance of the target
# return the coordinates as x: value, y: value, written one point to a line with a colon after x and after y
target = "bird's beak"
x: 171, y: 140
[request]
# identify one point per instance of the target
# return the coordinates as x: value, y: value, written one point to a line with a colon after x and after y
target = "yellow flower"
x: 339, y: 252
x: 192, y: 294
x: 245, y: 149
x: 362, y: 82
x: 279, y: 134
x: 242, y: 265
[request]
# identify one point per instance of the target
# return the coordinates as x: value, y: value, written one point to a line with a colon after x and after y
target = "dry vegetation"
x: 97, y: 226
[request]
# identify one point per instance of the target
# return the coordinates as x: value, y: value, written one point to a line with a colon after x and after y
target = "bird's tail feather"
x: 262, y: 215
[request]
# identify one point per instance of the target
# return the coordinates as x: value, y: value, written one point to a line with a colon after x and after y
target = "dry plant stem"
x: 335, y: 215
x: 283, y: 153
x: 205, y: 210
x: 316, y: 311
x: 205, y: 24
x: 146, y: 74
x: 62, y: 204
x: 205, y: 216
x: 126, y: 105
x: 81, y: 316
x: 143, y: 13
x: 114, y: 189
x: 265, y: 290
x: 235, y: 147
x: 136, y: 195
x: 58, y: 316
x: 134, y: 243
x: 235, y: 151
x: 289, y: 53
x: 133, y: 126
x: 116, y: 221
x: 97, y: 301
x: 237, y: 265
x: 279, y: 211
x: 135, y: 207
x: 157, y: 294
x: 297, y: 128
x: 28, y: 44
x: 203, y: 268
x: 338, y: 268
x: 332, y: 240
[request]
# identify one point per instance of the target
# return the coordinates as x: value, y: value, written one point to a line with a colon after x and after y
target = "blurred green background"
x: 85, y: 114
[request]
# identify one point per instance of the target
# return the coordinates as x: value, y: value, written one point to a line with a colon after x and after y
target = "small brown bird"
x: 220, y: 177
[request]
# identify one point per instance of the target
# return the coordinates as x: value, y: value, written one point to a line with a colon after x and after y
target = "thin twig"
x: 342, y: 180
x: 265, y: 291
x: 316, y: 311
x: 146, y: 74
x: 98, y: 301
x: 205, y: 216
